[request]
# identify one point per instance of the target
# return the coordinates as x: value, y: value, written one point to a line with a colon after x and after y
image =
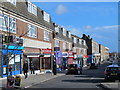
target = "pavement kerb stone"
x: 58, y: 75
x: 104, y: 86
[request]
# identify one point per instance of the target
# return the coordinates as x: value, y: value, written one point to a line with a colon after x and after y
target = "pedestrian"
x: 32, y: 68
x: 25, y: 69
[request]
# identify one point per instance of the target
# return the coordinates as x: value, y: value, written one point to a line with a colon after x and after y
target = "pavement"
x: 32, y: 79
x: 111, y: 85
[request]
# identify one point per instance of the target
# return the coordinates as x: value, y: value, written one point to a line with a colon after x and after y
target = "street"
x: 91, y: 78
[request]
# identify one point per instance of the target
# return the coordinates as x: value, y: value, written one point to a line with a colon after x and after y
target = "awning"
x: 33, y: 55
x: 47, y: 55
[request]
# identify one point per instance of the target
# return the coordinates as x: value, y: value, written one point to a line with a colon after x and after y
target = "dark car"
x: 112, y: 72
x: 74, y: 69
x: 93, y: 66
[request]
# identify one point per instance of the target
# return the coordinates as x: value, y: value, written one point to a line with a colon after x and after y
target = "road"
x: 89, y: 79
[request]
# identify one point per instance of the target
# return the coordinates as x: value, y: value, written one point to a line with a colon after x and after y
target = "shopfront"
x: 14, y: 56
x: 46, y: 60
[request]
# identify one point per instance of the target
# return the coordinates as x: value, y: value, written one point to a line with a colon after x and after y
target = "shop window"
x: 17, y: 62
x: 47, y: 63
x: 36, y: 63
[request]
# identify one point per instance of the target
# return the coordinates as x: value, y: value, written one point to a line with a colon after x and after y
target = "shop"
x: 46, y: 60
x: 14, y: 60
x: 70, y: 57
x: 35, y: 59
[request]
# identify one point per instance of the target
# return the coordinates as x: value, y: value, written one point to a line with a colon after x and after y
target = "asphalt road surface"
x: 90, y: 79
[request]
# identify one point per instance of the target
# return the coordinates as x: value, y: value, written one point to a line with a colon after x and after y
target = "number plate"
x: 113, y: 73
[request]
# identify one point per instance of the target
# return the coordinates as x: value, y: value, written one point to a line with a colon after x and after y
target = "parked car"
x: 74, y: 69
x: 93, y: 66
x: 112, y: 72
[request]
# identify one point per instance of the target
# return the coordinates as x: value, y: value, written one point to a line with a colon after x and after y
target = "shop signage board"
x: 47, y: 51
x: 64, y: 54
x: 70, y: 54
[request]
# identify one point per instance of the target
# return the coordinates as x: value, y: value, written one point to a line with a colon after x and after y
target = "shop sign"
x: 70, y: 60
x: 86, y: 56
x: 70, y: 54
x: 75, y: 56
x: 47, y: 51
x: 64, y: 54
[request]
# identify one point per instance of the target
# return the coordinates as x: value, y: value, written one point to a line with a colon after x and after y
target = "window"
x: 69, y: 46
x: 12, y: 1
x: 69, y: 35
x: 9, y: 22
x: 64, y: 32
x: 57, y: 29
x: 64, y: 45
x: 56, y: 43
x: 32, y: 31
x: 46, y: 35
x: 75, y: 49
x: 32, y: 8
x: 79, y: 41
x: 74, y: 40
x: 84, y: 42
x: 46, y: 17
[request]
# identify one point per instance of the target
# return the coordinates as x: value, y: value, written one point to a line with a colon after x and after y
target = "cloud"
x: 88, y: 27
x: 61, y: 9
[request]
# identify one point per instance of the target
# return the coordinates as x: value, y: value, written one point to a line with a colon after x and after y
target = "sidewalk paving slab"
x: 33, y: 79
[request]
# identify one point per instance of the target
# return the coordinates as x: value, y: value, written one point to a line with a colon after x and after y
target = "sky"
x: 97, y: 19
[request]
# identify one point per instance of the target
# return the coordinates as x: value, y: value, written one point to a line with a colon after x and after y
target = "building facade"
x: 35, y: 27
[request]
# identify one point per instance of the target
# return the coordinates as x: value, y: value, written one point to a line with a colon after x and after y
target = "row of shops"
x: 43, y: 61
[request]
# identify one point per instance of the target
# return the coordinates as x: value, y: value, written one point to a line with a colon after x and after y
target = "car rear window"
x: 113, y: 68
x: 73, y: 65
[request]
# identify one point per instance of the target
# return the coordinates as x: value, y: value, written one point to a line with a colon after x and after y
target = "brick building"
x: 28, y: 22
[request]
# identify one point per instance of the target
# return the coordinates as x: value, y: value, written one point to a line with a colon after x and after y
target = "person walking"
x: 32, y: 68
x: 25, y: 69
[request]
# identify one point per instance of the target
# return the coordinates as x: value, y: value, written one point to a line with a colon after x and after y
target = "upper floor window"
x: 69, y: 35
x: 46, y: 35
x: 75, y: 41
x: 7, y: 23
x: 75, y: 50
x: 64, y: 32
x: 69, y: 46
x: 57, y: 29
x: 12, y: 1
x: 46, y: 17
x: 56, y: 43
x: 32, y: 8
x: 64, y: 45
x: 32, y: 32
x: 79, y: 41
